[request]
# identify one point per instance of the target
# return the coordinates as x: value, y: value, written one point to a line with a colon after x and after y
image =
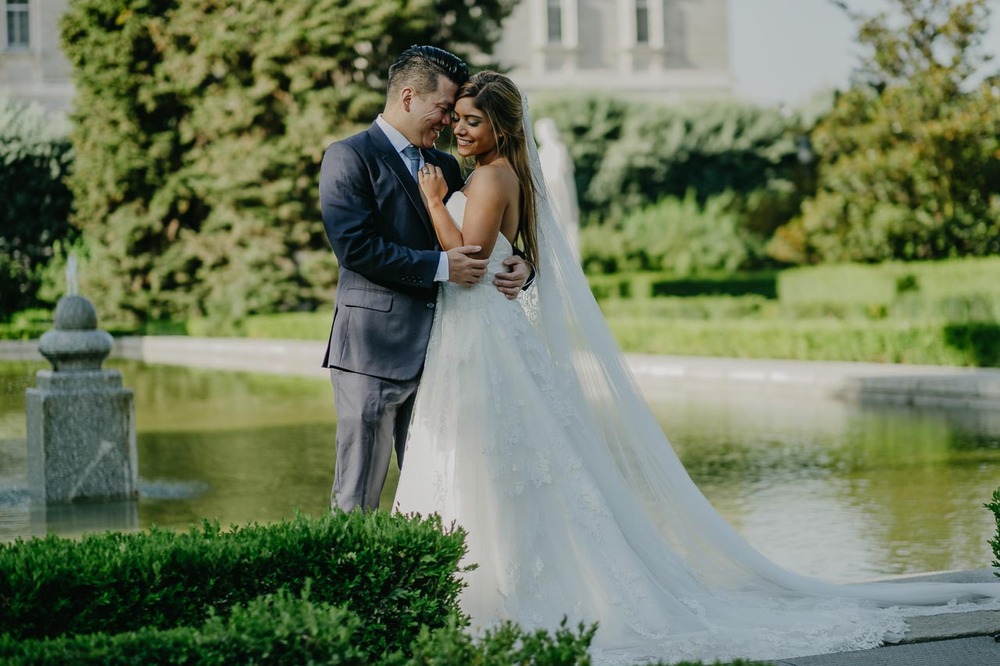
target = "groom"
x: 390, y: 267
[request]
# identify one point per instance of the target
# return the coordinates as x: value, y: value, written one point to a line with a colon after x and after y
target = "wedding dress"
x: 529, y: 432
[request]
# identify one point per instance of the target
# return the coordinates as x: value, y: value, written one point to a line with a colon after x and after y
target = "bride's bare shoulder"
x: 495, y: 177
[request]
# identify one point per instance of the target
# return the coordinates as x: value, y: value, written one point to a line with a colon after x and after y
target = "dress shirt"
x: 400, y: 142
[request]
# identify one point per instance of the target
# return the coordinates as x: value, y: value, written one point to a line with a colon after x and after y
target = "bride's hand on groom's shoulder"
x: 512, y: 282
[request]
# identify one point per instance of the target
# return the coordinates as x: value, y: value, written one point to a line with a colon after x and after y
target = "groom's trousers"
x: 373, y: 416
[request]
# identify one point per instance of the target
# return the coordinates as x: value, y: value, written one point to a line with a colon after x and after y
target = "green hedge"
x: 273, y: 629
x: 396, y: 573
x: 359, y: 588
x: 642, y: 285
x: 509, y: 644
x: 961, y: 289
x: 814, y: 340
x: 629, y: 154
x: 679, y: 234
x: 891, y: 282
x: 283, y: 629
x: 994, y: 506
x: 698, y: 308
x: 753, y: 326
x: 27, y: 325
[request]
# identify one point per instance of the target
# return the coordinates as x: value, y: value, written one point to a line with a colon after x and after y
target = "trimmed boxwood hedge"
x: 347, y: 589
x: 282, y: 629
x: 994, y: 506
x: 397, y: 573
x: 814, y: 340
x: 273, y: 629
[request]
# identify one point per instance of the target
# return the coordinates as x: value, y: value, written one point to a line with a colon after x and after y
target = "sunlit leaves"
x: 910, y: 155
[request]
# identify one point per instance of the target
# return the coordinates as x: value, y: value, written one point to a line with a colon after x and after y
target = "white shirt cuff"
x: 443, y: 271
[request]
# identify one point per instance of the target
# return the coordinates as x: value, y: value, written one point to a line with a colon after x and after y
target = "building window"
x: 553, y: 17
x: 17, y: 24
x: 642, y: 21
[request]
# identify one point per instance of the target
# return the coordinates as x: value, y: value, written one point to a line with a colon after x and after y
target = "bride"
x: 529, y: 431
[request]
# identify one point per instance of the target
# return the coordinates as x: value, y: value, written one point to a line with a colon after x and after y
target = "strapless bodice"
x: 502, y: 249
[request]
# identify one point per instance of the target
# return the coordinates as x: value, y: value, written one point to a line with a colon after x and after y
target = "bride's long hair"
x: 496, y: 95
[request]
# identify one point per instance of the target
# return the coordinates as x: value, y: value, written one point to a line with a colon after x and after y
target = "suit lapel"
x: 391, y: 159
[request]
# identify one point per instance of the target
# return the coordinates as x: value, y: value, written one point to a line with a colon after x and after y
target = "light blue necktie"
x: 412, y: 153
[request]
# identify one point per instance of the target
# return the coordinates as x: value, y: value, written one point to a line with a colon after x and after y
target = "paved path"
x: 950, y: 639
x: 978, y: 651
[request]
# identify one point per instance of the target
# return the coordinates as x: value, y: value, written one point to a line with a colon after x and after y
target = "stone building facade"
x: 663, y: 50
x: 32, y: 66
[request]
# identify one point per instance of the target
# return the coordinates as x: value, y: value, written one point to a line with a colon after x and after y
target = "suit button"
x: 430, y: 306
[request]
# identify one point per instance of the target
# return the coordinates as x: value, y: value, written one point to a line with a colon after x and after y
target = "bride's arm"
x: 484, y: 210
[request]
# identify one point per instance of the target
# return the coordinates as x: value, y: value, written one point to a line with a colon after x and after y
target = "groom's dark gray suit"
x: 382, y: 235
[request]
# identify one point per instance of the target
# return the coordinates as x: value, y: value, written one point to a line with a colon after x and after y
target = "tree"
x: 628, y: 155
x: 199, y: 130
x: 36, y: 155
x: 910, y: 155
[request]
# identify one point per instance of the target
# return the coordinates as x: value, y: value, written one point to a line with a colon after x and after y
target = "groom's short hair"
x: 420, y: 66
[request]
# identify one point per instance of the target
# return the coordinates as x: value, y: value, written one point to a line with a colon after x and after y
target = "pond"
x: 823, y: 487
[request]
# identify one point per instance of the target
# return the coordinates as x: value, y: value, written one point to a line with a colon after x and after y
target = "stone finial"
x: 75, y: 344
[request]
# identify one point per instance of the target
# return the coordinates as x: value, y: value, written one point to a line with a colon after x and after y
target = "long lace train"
x: 530, y: 432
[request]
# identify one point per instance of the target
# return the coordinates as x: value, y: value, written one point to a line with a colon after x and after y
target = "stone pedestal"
x: 81, y: 437
x: 81, y: 422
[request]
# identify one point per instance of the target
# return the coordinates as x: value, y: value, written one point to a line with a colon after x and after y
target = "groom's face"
x: 430, y: 112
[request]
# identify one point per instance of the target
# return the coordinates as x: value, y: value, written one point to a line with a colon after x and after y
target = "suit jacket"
x: 384, y: 240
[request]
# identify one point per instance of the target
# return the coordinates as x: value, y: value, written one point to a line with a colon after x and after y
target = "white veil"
x: 563, y: 310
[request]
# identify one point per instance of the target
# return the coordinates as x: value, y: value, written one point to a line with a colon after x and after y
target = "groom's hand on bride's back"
x: 463, y: 269
x: 513, y: 280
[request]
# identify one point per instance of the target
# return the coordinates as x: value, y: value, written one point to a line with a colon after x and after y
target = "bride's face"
x: 473, y: 130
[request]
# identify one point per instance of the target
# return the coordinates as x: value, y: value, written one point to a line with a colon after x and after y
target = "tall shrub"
x: 35, y: 156
x: 589, y: 125
x: 628, y: 155
x: 679, y: 236
x: 910, y: 156
x: 200, y: 129
x: 707, y: 148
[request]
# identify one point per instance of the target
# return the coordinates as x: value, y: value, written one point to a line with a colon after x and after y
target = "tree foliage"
x: 199, y: 130
x: 687, y: 189
x: 628, y: 155
x: 35, y: 156
x: 680, y: 236
x: 708, y: 148
x: 910, y: 156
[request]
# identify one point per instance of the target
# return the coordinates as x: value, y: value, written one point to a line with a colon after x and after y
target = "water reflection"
x: 841, y: 490
x: 822, y: 487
